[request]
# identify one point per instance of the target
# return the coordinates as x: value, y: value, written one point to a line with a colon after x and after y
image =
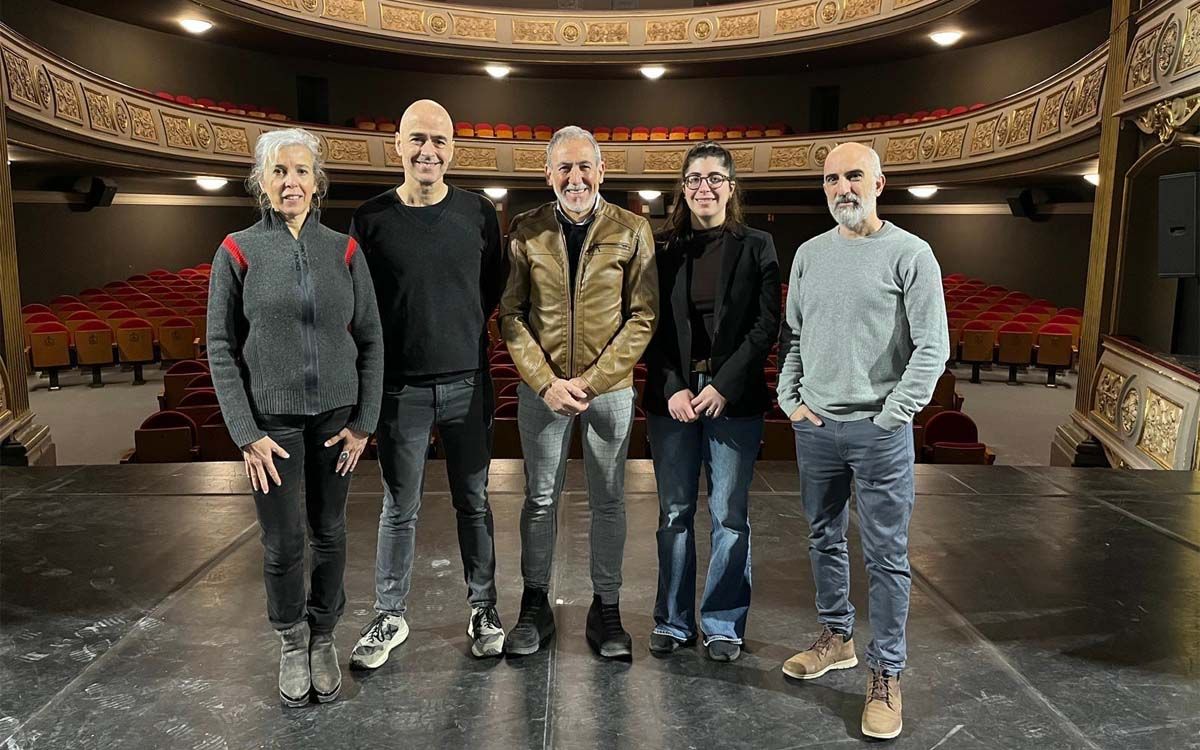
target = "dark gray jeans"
x: 462, y: 411
x: 880, y: 465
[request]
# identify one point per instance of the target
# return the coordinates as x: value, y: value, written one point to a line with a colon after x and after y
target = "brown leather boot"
x: 830, y: 651
x: 881, y: 717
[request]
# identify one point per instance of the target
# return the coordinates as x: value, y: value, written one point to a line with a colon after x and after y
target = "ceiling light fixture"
x: 495, y: 193
x: 1092, y: 178
x: 923, y: 191
x: 195, y: 25
x: 653, y: 72
x: 650, y: 195
x: 946, y: 38
x: 212, y: 183
x: 497, y: 71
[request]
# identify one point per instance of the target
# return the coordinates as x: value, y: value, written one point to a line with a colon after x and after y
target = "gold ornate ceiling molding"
x: 52, y: 95
x: 1163, y: 67
x: 662, y: 35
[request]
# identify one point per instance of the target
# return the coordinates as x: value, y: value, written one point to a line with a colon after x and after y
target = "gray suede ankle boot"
x: 295, y: 681
x: 323, y: 661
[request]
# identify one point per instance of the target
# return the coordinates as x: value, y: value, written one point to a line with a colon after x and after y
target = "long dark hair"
x: 679, y: 223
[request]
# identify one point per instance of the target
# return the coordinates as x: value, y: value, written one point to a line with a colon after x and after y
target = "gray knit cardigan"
x: 293, y: 327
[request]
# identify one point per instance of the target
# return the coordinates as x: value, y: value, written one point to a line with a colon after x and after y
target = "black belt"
x: 702, y: 365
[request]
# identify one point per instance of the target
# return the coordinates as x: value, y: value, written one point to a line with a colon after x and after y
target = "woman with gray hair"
x: 296, y: 353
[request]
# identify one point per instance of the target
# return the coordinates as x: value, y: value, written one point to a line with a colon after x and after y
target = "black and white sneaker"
x: 485, y: 632
x: 379, y: 637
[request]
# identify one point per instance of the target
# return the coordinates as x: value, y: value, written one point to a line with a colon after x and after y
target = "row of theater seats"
x: 250, y: 110
x: 189, y: 425
x: 155, y: 317
x: 989, y: 325
x: 505, y: 131
x: 911, y: 118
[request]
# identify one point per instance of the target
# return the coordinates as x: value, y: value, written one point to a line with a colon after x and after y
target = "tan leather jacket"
x: 602, y: 336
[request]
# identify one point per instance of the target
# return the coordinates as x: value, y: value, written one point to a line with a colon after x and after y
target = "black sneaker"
x: 604, y: 632
x: 724, y: 650
x: 663, y: 644
x: 534, y: 626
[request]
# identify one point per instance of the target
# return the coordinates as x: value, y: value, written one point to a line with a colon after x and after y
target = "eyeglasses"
x: 714, y: 180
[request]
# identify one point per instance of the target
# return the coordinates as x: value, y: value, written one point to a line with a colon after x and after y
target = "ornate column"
x: 21, y: 441
x: 1118, y: 150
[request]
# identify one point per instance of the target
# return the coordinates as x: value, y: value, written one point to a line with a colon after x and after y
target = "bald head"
x: 425, y: 143
x: 853, y: 180
x: 856, y: 154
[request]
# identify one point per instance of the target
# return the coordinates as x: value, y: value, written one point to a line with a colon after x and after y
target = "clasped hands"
x: 686, y: 406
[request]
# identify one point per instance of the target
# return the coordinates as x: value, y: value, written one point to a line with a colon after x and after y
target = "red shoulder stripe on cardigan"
x: 351, y: 246
x: 232, y: 247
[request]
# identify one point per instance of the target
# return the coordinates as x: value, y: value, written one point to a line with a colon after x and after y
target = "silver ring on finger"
x: 343, y: 455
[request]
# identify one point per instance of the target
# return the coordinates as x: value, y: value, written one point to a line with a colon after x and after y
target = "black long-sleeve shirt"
x: 439, y: 271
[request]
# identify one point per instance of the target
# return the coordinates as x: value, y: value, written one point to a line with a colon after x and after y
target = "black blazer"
x: 746, y: 325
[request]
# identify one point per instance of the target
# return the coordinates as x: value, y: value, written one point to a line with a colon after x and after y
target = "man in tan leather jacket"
x: 577, y: 313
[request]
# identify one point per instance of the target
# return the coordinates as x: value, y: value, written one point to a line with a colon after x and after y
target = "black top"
x: 745, y: 323
x: 703, y: 252
x: 439, y: 271
x: 574, y: 234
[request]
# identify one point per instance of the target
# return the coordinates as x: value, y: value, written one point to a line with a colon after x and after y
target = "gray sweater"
x: 293, y: 327
x: 864, y: 334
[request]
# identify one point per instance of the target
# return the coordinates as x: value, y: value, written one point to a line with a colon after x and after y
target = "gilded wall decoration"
x: 390, y: 157
x: 1002, y: 131
x: 1108, y: 390
x: 659, y: 162
x: 534, y: 32
x: 928, y: 146
x: 1020, y: 129
x: 1129, y: 410
x: 856, y: 9
x: 122, y: 115
x: 1141, y: 61
x: 820, y: 153
x: 744, y: 26
x: 346, y: 11
x: 615, y: 159
x: 703, y: 29
x: 829, y: 11
x: 20, y: 80
x: 788, y: 157
x: 674, y: 31
x: 231, y: 140
x: 348, y: 151
x: 983, y: 140
x: 179, y: 131
x: 950, y: 143
x: 1190, y: 57
x: 438, y: 23
x: 43, y: 87
x: 141, y: 121
x: 1089, y: 93
x: 743, y: 159
x: 482, y: 28
x: 1165, y: 119
x: 405, y: 20
x: 203, y: 136
x: 901, y: 150
x: 309, y: 5
x: 1068, y: 107
x: 473, y: 157
x: 529, y: 159
x: 1051, y: 113
x: 1160, y: 428
x: 795, y: 18
x: 607, y: 32
x: 66, y: 99
x: 100, y: 113
x: 1168, y: 46
x: 571, y: 32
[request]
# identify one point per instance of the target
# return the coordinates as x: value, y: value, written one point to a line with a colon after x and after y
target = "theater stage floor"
x: 1052, y: 608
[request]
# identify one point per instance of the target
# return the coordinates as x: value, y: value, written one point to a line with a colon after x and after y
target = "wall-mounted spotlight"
x: 923, y: 191
x: 946, y: 38
x: 650, y: 195
x: 497, y: 71
x: 195, y: 25
x: 495, y: 193
x: 1092, y: 178
x: 211, y: 183
x: 653, y: 72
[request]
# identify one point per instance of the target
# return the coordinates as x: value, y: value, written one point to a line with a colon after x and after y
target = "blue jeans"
x: 462, y: 411
x: 726, y: 449
x: 880, y: 465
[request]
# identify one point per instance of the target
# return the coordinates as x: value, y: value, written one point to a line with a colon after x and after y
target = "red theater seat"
x: 602, y: 134
x: 697, y: 133
x: 484, y: 130
x: 543, y: 132
x: 639, y: 133
x: 620, y: 133
x: 523, y: 132
x: 464, y: 129
x: 503, y: 130
x: 165, y: 437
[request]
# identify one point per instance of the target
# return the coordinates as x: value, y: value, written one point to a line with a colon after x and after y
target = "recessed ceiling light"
x: 946, y: 38
x: 1092, y: 178
x: 650, y: 195
x: 497, y: 71
x: 495, y: 193
x: 212, y: 183
x: 923, y: 191
x: 195, y: 25
x: 653, y: 72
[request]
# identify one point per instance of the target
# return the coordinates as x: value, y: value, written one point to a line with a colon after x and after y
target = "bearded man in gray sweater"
x: 863, y: 342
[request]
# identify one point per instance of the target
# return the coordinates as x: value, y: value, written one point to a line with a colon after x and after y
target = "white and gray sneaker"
x: 379, y: 637
x: 485, y: 632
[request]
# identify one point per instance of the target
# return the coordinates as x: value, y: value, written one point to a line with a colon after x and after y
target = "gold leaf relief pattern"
x: 347, y: 11
x: 100, y: 113
x: 1051, y: 113
x: 615, y: 159
x: 1141, y: 61
x: 66, y: 99
x: 1108, y: 390
x: 20, y: 79
x: 950, y: 144
x: 1089, y: 94
x: 1020, y: 130
x: 1168, y: 45
x: 667, y: 32
x: 529, y: 159
x: 743, y: 159
x: 829, y: 11
x: 1129, y: 410
x: 1190, y: 57
x: 469, y: 157
x: 203, y: 136
x: 475, y: 27
x: 231, y: 140
x: 141, y: 121
x: 534, y: 32
x: 607, y: 32
x: 983, y: 139
x: 737, y: 27
x: 404, y: 20
x: 795, y: 18
x: 658, y: 162
x: 347, y: 150
x: 789, y: 157
x: 901, y: 150
x: 856, y: 9
x: 179, y: 131
x: 1160, y: 428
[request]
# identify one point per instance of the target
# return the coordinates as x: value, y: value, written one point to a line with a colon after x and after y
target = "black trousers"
x: 283, y: 513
